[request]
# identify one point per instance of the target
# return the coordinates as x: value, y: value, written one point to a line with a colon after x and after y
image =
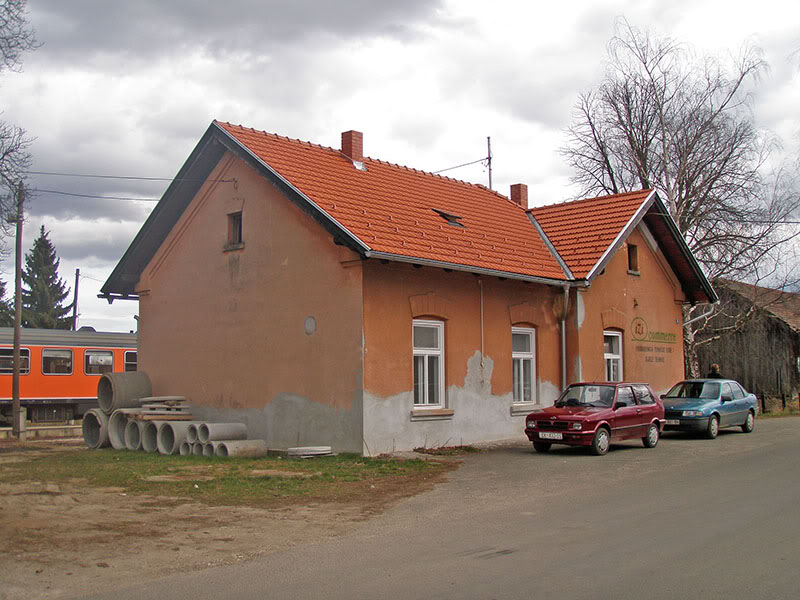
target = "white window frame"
x: 71, y: 361
x: 518, y: 387
x: 427, y: 352
x: 607, y: 356
x: 88, y: 352
x: 134, y: 362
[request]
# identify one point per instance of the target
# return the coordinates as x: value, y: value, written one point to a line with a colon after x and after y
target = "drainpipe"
x: 705, y: 314
x: 480, y: 285
x: 564, y: 339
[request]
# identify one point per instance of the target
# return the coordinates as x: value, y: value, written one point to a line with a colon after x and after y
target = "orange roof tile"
x: 583, y: 230
x: 390, y: 208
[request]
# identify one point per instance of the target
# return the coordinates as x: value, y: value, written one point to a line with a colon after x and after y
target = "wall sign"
x: 653, y: 353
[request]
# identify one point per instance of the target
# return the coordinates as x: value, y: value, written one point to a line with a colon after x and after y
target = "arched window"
x: 612, y: 353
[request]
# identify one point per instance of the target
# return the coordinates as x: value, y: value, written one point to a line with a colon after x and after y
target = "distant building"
x: 763, y: 352
x: 327, y: 298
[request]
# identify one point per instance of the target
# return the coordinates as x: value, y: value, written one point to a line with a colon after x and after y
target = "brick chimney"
x: 353, y: 145
x: 519, y: 194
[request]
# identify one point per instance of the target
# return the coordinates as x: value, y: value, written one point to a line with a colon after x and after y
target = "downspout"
x: 705, y: 314
x: 564, y: 338
x: 480, y: 285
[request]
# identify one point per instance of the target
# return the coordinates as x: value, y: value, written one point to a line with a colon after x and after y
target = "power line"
x: 92, y: 195
x: 125, y: 177
x: 480, y: 160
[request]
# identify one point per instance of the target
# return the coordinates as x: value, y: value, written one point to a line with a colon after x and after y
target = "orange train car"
x: 60, y: 369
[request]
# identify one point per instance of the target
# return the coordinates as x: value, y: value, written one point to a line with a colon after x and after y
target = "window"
x: 56, y: 362
x: 613, y: 355
x: 643, y: 395
x: 633, y: 258
x: 7, y: 361
x: 131, y: 360
x: 625, y: 397
x: 428, y: 363
x: 235, y: 239
x: 97, y: 362
x: 738, y: 391
x: 523, y: 360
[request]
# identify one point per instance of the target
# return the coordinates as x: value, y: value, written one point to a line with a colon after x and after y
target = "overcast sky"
x: 128, y: 88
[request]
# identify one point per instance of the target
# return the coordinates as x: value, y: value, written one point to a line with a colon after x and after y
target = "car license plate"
x: 673, y: 421
x: 547, y: 435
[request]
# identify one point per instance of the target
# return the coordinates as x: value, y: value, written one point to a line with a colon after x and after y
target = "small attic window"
x: 633, y: 259
x: 235, y: 239
x: 451, y: 219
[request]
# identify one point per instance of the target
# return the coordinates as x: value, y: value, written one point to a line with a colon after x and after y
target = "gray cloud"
x: 86, y: 30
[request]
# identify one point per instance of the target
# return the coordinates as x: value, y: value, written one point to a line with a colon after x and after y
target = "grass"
x: 263, y: 482
x: 791, y: 410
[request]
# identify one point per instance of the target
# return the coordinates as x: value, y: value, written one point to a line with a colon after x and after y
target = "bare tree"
x: 16, y: 37
x: 667, y: 120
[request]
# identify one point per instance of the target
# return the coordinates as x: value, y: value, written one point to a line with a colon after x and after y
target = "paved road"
x: 692, y: 518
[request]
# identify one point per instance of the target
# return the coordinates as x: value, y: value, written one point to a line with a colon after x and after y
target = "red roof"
x: 583, y: 230
x: 393, y: 209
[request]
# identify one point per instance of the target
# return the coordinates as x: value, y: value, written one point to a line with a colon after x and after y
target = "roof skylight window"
x: 451, y: 219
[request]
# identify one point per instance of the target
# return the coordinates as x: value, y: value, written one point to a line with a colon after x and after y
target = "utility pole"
x: 489, y: 159
x: 18, y: 425
x: 75, y: 301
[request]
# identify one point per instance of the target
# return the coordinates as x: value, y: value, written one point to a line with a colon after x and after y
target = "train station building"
x: 327, y: 298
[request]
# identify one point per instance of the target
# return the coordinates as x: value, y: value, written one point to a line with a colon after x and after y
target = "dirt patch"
x: 68, y: 539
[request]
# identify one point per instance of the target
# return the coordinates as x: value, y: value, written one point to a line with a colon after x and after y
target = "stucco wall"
x: 646, y: 307
x: 480, y: 395
x: 231, y: 330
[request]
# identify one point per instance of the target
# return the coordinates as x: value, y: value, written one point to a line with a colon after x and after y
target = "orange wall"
x: 392, y: 292
x: 226, y: 328
x: 643, y: 307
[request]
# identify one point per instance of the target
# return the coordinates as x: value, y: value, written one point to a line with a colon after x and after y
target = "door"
x: 627, y: 415
x: 728, y: 413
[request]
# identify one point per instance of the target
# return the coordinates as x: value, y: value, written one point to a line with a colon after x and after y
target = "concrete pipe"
x: 197, y: 448
x: 210, y: 432
x: 170, y: 436
x: 244, y: 448
x: 133, y: 435
x: 210, y: 448
x: 185, y: 448
x: 150, y: 435
x: 122, y: 390
x: 191, y: 433
x: 95, y: 428
x: 116, y: 426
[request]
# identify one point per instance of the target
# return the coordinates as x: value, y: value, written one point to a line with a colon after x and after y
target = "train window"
x: 97, y: 362
x: 131, y: 360
x: 56, y: 361
x: 7, y: 361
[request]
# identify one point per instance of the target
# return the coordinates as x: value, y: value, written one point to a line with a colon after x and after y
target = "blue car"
x: 706, y: 405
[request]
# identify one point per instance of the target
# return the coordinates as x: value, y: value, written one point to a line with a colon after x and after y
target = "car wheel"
x: 713, y: 427
x: 651, y: 439
x: 541, y: 446
x: 601, y: 442
x: 749, y: 423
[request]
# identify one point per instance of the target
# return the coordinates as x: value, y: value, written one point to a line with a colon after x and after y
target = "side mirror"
x: 727, y: 398
x: 620, y: 405
x: 663, y: 396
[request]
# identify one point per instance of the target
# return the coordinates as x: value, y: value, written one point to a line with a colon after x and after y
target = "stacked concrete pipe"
x: 133, y: 435
x: 216, y: 432
x: 185, y: 448
x: 122, y: 390
x: 95, y: 428
x: 242, y: 448
x: 210, y: 448
x: 170, y: 436
x: 191, y: 433
x: 197, y: 448
x: 150, y: 435
x: 116, y: 426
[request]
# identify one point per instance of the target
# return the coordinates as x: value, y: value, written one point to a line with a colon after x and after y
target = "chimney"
x: 519, y: 194
x: 353, y: 145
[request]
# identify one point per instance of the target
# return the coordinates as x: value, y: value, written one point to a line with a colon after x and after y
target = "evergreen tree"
x: 43, y: 291
x: 6, y: 309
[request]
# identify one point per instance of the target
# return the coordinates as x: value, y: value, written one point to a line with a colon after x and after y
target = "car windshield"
x: 695, y: 389
x: 587, y: 395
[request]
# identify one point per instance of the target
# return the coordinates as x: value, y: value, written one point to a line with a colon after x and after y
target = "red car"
x: 597, y: 414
